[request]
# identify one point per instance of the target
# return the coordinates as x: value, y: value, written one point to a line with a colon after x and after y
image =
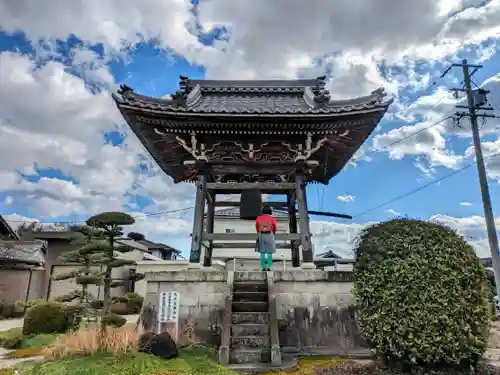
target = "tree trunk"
x: 107, y: 284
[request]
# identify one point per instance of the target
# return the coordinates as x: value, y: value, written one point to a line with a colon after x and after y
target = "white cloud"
x: 50, y: 118
x: 341, y: 238
x: 431, y: 137
x: 466, y: 204
x: 346, y: 198
x: 390, y: 211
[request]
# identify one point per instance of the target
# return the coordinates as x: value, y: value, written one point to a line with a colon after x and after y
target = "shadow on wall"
x: 332, y: 328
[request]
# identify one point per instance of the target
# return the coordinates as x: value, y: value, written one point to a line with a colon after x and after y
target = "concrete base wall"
x: 316, y: 311
x: 202, y: 300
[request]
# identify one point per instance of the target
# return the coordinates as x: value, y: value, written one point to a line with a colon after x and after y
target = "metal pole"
x: 483, y: 181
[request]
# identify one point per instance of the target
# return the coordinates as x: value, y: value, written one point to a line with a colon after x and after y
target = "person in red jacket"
x: 266, y: 226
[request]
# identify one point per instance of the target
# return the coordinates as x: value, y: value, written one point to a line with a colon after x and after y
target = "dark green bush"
x: 50, y: 317
x: 119, y: 308
x: 10, y: 310
x: 114, y: 320
x: 352, y: 368
x: 134, y: 303
x: 422, y: 294
x: 30, y: 303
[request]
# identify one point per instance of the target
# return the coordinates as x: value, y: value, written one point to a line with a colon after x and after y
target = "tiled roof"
x: 329, y: 254
x: 5, y: 228
x: 305, y: 97
x: 154, y: 245
x: 133, y: 244
x: 22, y: 252
x: 145, y: 245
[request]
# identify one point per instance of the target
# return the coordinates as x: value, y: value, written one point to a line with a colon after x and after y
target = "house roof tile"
x: 22, y: 252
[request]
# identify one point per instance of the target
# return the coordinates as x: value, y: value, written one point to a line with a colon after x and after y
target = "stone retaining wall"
x: 316, y: 311
x: 202, y: 301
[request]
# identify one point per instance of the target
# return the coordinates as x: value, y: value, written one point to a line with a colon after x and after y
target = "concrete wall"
x: 14, y: 284
x: 239, y: 264
x: 202, y: 301
x: 316, y: 310
x: 148, y: 266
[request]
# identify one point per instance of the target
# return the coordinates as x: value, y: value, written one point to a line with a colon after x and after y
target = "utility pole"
x: 476, y: 101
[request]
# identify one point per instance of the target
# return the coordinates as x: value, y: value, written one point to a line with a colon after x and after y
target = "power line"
x: 434, y: 83
x: 83, y: 221
x: 420, y: 188
x: 408, y: 136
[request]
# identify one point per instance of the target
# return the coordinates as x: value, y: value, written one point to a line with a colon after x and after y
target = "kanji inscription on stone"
x: 168, y: 311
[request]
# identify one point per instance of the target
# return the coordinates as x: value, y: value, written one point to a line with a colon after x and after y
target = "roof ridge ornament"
x: 179, y: 98
x: 322, y: 95
x: 127, y: 92
x: 379, y: 94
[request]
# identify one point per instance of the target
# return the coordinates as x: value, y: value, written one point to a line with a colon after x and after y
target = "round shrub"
x: 114, y: 320
x: 50, y: 317
x: 134, y: 303
x: 422, y: 294
x: 119, y: 309
x: 10, y: 310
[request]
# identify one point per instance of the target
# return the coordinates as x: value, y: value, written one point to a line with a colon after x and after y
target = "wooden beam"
x: 245, y: 245
x: 305, y: 232
x: 199, y: 214
x: 247, y: 236
x: 236, y: 188
x: 207, y: 259
x: 329, y: 214
x: 292, y: 220
x: 237, y: 204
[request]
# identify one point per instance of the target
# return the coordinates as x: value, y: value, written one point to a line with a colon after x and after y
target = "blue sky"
x: 78, y: 157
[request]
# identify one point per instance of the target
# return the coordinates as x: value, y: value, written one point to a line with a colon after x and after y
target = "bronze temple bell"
x: 250, y: 204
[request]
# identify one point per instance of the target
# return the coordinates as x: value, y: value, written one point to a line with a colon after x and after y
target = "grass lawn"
x: 193, y: 361
x: 38, y: 341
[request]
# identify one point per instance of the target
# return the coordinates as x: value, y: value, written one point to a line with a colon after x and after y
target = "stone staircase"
x: 250, y: 331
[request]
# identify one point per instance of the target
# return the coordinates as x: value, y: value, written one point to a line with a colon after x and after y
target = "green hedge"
x: 49, y: 317
x: 422, y: 294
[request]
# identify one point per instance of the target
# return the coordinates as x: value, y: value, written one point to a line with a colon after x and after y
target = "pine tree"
x: 86, y: 273
x: 135, y: 236
x: 105, y: 251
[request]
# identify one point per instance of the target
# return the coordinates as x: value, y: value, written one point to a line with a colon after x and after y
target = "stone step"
x: 249, y: 329
x: 250, y: 306
x: 250, y: 342
x: 240, y: 356
x: 249, y: 286
x: 250, y: 318
x: 288, y: 365
x: 239, y: 296
x: 250, y: 276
